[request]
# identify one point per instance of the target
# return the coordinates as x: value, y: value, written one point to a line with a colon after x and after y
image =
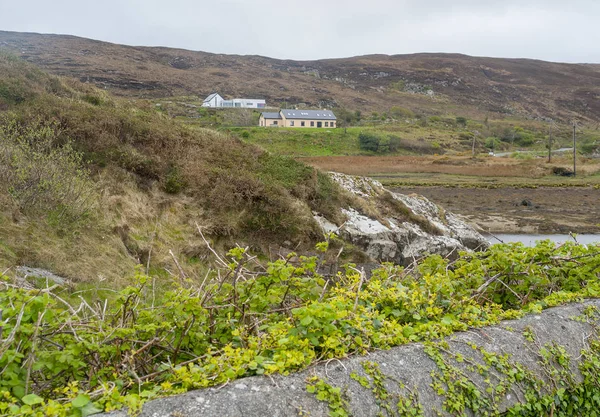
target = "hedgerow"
x: 62, y: 354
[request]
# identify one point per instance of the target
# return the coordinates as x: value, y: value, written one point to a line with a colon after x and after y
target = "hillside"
x: 91, y: 185
x: 427, y: 83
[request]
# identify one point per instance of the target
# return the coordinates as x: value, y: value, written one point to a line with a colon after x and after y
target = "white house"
x: 216, y: 101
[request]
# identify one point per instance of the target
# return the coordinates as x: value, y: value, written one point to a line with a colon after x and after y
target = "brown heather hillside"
x: 428, y: 83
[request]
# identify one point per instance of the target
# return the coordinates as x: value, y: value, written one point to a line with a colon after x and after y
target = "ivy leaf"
x: 32, y: 399
x: 80, y: 401
x: 306, y: 321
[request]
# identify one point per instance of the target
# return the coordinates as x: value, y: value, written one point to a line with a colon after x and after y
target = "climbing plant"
x: 66, y: 355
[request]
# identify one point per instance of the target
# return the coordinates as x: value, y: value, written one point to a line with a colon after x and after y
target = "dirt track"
x: 505, y: 210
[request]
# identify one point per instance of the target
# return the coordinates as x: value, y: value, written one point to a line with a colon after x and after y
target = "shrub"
x: 92, y: 99
x: 174, y: 180
x: 563, y: 172
x: 368, y: 142
x: 461, y: 121
x: 43, y: 175
x: 394, y: 143
x: 398, y: 85
x: 492, y: 143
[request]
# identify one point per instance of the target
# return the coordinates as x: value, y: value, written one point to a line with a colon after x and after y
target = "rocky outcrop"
x: 520, y: 340
x: 399, y: 228
x: 24, y: 274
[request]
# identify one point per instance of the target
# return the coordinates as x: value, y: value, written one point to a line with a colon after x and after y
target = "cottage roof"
x: 209, y: 98
x: 271, y: 115
x: 308, y: 114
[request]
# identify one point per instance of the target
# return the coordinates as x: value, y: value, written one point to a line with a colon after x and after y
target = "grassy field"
x: 413, y: 136
x: 302, y: 142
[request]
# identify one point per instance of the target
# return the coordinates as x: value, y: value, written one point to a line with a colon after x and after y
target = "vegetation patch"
x: 61, y: 352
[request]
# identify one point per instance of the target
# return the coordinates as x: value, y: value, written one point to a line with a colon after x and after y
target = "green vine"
x: 65, y: 355
x: 338, y: 406
x: 481, y: 385
x: 391, y: 403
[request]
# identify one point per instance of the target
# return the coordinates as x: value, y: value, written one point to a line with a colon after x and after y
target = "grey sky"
x: 552, y: 30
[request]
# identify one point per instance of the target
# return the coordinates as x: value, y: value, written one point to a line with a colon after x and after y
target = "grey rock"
x: 287, y: 396
x: 25, y: 272
x: 400, y: 241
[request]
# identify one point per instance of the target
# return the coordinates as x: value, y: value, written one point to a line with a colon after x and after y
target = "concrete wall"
x: 287, y: 396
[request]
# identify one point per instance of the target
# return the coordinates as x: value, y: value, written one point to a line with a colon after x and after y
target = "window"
x: 319, y: 124
x: 238, y: 104
x: 312, y: 124
x: 275, y: 123
x: 332, y: 124
x: 291, y: 123
x: 326, y: 124
x: 302, y: 124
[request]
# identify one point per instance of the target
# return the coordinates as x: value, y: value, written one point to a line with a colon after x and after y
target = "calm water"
x: 530, y: 240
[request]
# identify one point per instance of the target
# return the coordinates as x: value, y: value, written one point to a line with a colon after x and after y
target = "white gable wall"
x: 215, y: 101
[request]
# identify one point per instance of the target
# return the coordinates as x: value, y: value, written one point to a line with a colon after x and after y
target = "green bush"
x: 493, y: 143
x: 44, y: 174
x: 461, y: 121
x: 106, y: 354
x: 368, y: 142
x: 174, y: 180
x: 398, y: 85
x: 92, y: 99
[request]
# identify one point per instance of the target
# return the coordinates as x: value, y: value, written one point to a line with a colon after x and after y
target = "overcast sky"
x: 552, y: 30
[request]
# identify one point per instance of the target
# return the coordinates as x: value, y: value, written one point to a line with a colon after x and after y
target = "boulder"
x: 416, y: 228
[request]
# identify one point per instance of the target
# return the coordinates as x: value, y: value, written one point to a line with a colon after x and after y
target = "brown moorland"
x: 397, y: 167
x: 427, y: 83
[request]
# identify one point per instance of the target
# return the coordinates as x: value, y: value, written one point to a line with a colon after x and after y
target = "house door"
x: 319, y: 124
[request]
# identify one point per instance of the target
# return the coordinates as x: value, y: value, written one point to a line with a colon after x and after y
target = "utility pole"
x: 574, y: 150
x: 550, y: 142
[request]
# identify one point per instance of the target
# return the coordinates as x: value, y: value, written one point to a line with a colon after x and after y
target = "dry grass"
x: 483, y: 167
